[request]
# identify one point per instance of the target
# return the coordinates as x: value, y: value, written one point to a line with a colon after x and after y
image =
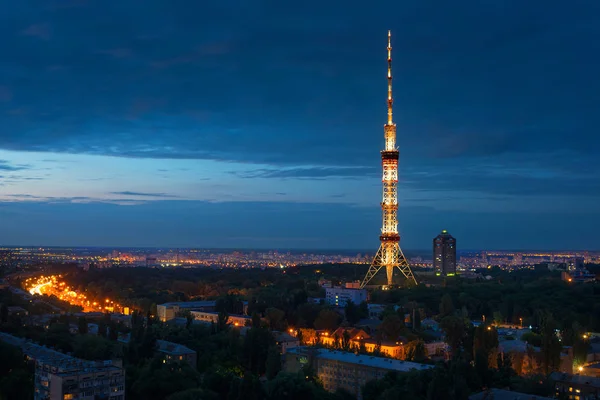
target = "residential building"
x: 285, y: 341
x: 208, y: 317
x: 169, y: 311
x: 375, y: 310
x: 60, y: 376
x: 499, y: 394
x: 437, y: 349
x: 175, y: 352
x: 358, y: 338
x: 431, y: 324
x: 528, y: 359
x: 18, y: 311
x: 576, y: 387
x: 444, y: 254
x: 170, y: 351
x: 592, y: 370
x: 575, y: 263
x: 578, y: 276
x: 345, y: 370
x: 340, y: 296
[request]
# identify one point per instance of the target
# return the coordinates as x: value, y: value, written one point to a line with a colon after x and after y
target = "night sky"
x: 200, y: 123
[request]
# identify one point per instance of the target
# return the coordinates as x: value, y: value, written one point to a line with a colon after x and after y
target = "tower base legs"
x: 389, y: 256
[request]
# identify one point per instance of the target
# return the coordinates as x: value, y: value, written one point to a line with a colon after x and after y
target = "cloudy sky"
x: 259, y: 123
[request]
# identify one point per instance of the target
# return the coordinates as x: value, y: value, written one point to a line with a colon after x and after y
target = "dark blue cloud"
x: 494, y: 99
x: 309, y: 172
x: 283, y: 84
x: 6, y: 166
x: 142, y: 194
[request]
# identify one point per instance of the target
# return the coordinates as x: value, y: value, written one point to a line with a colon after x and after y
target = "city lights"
x: 54, y: 285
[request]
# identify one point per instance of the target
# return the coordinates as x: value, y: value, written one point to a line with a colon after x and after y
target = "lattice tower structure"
x: 389, y: 255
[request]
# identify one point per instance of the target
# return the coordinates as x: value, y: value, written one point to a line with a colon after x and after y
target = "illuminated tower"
x: 389, y: 255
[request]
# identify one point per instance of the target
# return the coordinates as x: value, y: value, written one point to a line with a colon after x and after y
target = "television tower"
x: 389, y: 255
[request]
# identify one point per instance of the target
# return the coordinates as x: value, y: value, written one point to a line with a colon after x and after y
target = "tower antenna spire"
x: 389, y: 256
x: 390, y: 99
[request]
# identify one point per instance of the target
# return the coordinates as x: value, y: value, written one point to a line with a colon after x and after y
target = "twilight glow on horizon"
x: 259, y: 124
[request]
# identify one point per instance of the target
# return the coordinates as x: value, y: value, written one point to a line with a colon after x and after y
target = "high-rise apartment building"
x: 444, y: 254
x: 60, y: 376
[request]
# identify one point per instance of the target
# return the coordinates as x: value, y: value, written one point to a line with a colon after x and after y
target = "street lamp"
x: 521, y: 320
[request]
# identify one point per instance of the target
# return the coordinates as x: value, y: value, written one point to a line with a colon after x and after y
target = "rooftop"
x: 52, y: 357
x: 190, y: 304
x: 216, y: 313
x: 374, y: 362
x: 499, y: 394
x: 576, y: 379
x: 282, y: 337
x: 173, y: 348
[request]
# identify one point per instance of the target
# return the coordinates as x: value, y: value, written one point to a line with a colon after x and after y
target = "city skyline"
x: 259, y: 126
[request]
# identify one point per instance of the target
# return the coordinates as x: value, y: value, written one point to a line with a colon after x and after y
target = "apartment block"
x: 345, y: 370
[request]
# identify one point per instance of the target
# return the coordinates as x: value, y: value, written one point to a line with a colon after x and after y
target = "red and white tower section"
x: 389, y: 255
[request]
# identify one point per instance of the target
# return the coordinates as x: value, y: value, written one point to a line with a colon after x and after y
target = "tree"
x: 273, y: 362
x: 194, y: 394
x: 256, y: 349
x: 580, y: 350
x: 415, y: 319
x: 222, y: 321
x: 92, y: 347
x: 352, y: 313
x: 416, y: 351
x: 82, y: 325
x: 3, y: 313
x: 113, y: 331
x: 392, y: 326
x: 294, y: 387
x: 102, y: 329
x: 16, y: 380
x: 446, y: 306
x: 158, y: 380
x: 275, y: 318
x: 454, y: 329
x: 498, y: 317
x: 345, y: 341
x: 327, y: 320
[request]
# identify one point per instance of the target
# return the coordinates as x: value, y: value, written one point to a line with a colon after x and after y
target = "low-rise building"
x: 175, y: 352
x: 375, y: 310
x: 431, y: 324
x: 592, y: 370
x: 345, y: 370
x: 528, y: 359
x: 169, y: 311
x: 285, y: 341
x: 208, y: 317
x: 499, y: 394
x: 358, y: 338
x: 340, y: 296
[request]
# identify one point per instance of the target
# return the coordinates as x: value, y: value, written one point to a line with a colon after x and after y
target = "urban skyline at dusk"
x: 259, y: 125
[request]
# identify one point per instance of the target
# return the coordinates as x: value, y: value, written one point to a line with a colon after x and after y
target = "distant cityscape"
x: 86, y: 257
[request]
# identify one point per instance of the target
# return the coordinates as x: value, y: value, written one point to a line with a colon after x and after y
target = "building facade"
x: 444, y: 254
x: 60, y: 376
x: 169, y: 311
x: 339, y: 296
x: 234, y: 320
x: 345, y: 370
x: 175, y: 352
